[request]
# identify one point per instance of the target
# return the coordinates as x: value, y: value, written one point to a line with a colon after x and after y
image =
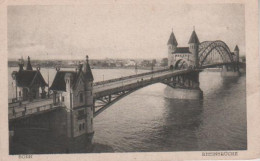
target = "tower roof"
x: 59, y: 83
x: 87, y: 70
x: 172, y: 40
x: 236, y: 48
x: 194, y: 38
x: 27, y: 78
x: 29, y: 66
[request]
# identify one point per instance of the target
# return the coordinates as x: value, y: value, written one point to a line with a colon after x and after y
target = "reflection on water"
x: 147, y: 121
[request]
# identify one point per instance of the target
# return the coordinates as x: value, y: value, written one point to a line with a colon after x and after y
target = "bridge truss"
x: 179, y: 79
x: 214, y: 52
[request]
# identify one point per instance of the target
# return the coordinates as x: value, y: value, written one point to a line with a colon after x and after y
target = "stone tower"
x: 29, y: 66
x: 194, y: 48
x: 73, y: 90
x: 172, y: 46
x: 78, y: 100
x: 88, y: 96
x: 236, y: 52
x: 21, y: 64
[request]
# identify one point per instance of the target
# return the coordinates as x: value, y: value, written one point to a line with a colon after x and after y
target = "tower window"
x: 79, y: 127
x: 81, y: 97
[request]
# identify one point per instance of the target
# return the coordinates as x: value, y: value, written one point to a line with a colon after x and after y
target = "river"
x: 147, y: 121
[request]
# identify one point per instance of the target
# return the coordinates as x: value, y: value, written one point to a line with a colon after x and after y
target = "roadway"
x: 120, y: 83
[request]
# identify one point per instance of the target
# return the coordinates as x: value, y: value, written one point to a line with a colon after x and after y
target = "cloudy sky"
x: 118, y: 30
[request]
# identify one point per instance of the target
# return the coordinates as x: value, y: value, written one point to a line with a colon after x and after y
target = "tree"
x: 164, y: 62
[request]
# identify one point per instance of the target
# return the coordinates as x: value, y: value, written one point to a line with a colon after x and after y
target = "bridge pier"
x: 184, y: 87
x: 230, y: 71
x: 182, y: 93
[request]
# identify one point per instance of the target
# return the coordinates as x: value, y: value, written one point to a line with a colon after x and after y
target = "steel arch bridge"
x: 212, y: 49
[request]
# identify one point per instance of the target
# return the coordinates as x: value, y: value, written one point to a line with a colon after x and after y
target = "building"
x: 183, y: 57
x: 130, y: 63
x: 29, y: 83
x: 73, y: 90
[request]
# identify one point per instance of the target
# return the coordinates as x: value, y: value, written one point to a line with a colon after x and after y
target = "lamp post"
x: 136, y: 68
x: 103, y: 80
x: 48, y: 76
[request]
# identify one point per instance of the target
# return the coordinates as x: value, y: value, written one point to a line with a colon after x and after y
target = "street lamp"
x: 48, y: 76
x: 103, y: 80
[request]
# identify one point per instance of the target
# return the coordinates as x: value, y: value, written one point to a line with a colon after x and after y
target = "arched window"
x: 79, y: 127
x: 81, y: 97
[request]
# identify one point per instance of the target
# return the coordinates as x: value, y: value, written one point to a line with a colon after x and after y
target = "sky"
x: 118, y: 30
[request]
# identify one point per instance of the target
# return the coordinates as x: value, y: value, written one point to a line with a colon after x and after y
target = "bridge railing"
x: 20, y: 100
x: 128, y: 77
x: 14, y: 100
x: 139, y: 83
x: 23, y: 110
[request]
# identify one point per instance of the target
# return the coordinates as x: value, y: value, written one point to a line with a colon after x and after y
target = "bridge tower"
x: 73, y: 91
x: 172, y: 46
x: 236, y: 52
x: 79, y: 102
x: 232, y: 70
x: 194, y: 49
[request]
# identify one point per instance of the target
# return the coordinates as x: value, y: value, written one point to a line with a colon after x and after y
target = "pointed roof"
x: 29, y: 66
x: 172, y: 40
x: 59, y: 81
x: 194, y: 38
x: 27, y: 78
x: 87, y: 70
x: 236, y: 48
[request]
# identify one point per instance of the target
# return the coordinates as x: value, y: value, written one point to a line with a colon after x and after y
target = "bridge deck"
x: 25, y: 108
x: 137, y: 82
x: 123, y: 82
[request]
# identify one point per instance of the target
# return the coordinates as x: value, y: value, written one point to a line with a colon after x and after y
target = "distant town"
x: 148, y: 64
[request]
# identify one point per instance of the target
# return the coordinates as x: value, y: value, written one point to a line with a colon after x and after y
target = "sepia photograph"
x: 127, y: 77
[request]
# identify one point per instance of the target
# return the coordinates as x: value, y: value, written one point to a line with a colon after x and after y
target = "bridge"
x: 81, y: 99
x: 108, y: 92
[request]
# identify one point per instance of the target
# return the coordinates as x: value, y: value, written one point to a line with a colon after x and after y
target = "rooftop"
x: 194, y: 38
x: 182, y: 50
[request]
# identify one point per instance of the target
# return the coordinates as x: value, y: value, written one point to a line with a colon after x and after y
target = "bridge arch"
x: 186, y: 78
x: 207, y: 47
x: 181, y: 64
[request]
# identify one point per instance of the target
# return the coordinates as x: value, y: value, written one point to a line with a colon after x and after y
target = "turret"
x: 172, y: 43
x: 21, y: 64
x: 236, y: 52
x: 87, y: 70
x: 89, y: 95
x: 194, y: 47
x: 29, y: 66
x: 68, y: 81
x: 172, y: 46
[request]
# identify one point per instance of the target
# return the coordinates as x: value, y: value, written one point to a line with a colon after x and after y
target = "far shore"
x: 98, y: 67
